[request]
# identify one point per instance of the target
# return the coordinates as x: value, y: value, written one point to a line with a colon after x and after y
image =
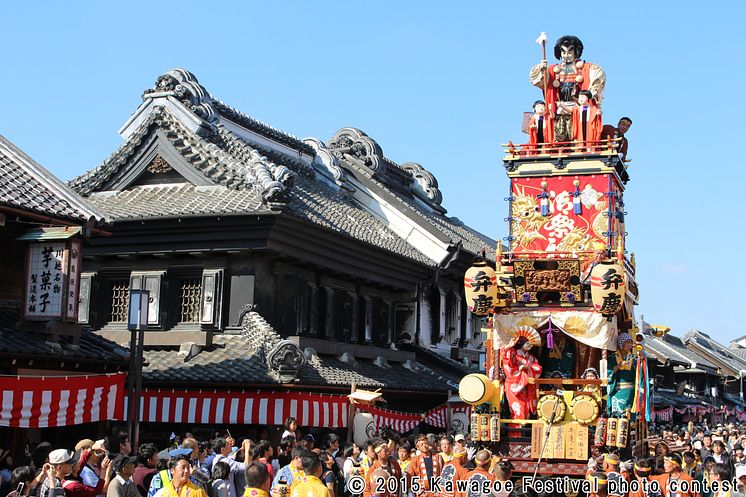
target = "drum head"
x: 546, y: 407
x: 584, y: 409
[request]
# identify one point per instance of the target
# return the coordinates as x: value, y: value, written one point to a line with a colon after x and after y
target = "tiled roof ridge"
x: 412, y: 207
x: 259, y: 333
x: 55, y: 186
x: 260, y: 127
x: 207, y: 156
x: 87, y: 182
x: 273, y: 178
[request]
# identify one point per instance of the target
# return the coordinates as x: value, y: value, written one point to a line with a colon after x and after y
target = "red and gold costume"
x: 665, y: 479
x: 520, y: 365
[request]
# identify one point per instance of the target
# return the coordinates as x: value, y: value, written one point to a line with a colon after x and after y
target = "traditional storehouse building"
x: 44, y: 228
x: 682, y: 378
x: 272, y: 260
x: 731, y: 366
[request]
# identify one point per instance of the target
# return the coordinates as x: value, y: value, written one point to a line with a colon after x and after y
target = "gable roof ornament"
x: 355, y: 147
x: 183, y: 85
x: 425, y: 185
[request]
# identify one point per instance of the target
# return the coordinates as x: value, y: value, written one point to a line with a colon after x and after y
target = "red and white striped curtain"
x: 55, y: 401
x: 664, y: 414
x: 399, y: 421
x: 242, y: 407
x: 438, y: 416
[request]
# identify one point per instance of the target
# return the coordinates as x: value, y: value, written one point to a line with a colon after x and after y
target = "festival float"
x: 566, y: 373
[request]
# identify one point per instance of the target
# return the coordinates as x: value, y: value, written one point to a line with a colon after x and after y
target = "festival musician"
x: 562, y: 82
x: 622, y: 376
x: 424, y: 466
x: 674, y: 473
x: 383, y: 468
x: 453, y: 471
x: 481, y: 473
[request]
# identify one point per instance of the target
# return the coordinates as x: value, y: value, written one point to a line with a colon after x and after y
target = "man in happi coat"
x: 424, y: 466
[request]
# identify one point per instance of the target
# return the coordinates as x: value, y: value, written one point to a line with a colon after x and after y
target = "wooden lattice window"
x: 120, y: 291
x: 191, y: 292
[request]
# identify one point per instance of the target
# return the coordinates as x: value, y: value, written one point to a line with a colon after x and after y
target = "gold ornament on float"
x: 608, y: 285
x: 480, y: 287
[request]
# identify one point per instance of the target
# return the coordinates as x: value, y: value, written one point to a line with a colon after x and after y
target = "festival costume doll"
x: 562, y: 82
x: 622, y: 372
x: 540, y: 127
x: 586, y: 120
x: 591, y: 374
x: 519, y: 365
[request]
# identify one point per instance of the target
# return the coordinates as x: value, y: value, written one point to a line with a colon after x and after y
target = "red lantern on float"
x: 480, y: 287
x: 608, y: 285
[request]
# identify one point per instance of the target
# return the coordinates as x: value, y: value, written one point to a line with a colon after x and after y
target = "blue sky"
x: 438, y: 83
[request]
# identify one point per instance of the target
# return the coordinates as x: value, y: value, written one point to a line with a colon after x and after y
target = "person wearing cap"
x: 181, y: 484
x: 63, y: 475
x: 673, y: 473
x: 310, y: 485
x: 90, y: 464
x: 122, y: 484
x: 453, y: 471
x: 84, y: 444
x: 480, y: 474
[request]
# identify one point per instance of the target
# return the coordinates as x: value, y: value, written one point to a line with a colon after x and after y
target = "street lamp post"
x: 137, y: 321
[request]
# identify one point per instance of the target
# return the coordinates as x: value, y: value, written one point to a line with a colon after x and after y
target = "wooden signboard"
x: 556, y: 442
x: 576, y: 441
x: 537, y: 439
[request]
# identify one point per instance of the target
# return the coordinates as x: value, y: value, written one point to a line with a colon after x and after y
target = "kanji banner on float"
x: 243, y: 407
x: 55, y: 401
x: 562, y: 217
x: 399, y: 421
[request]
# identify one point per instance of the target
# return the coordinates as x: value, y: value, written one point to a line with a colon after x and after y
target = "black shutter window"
x: 84, y: 298
x: 212, y: 290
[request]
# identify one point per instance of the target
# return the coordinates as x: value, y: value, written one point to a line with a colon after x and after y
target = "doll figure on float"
x: 519, y: 365
x: 540, y: 128
x: 586, y: 120
x: 562, y: 82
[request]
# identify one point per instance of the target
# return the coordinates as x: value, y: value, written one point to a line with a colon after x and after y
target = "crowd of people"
x: 388, y: 465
